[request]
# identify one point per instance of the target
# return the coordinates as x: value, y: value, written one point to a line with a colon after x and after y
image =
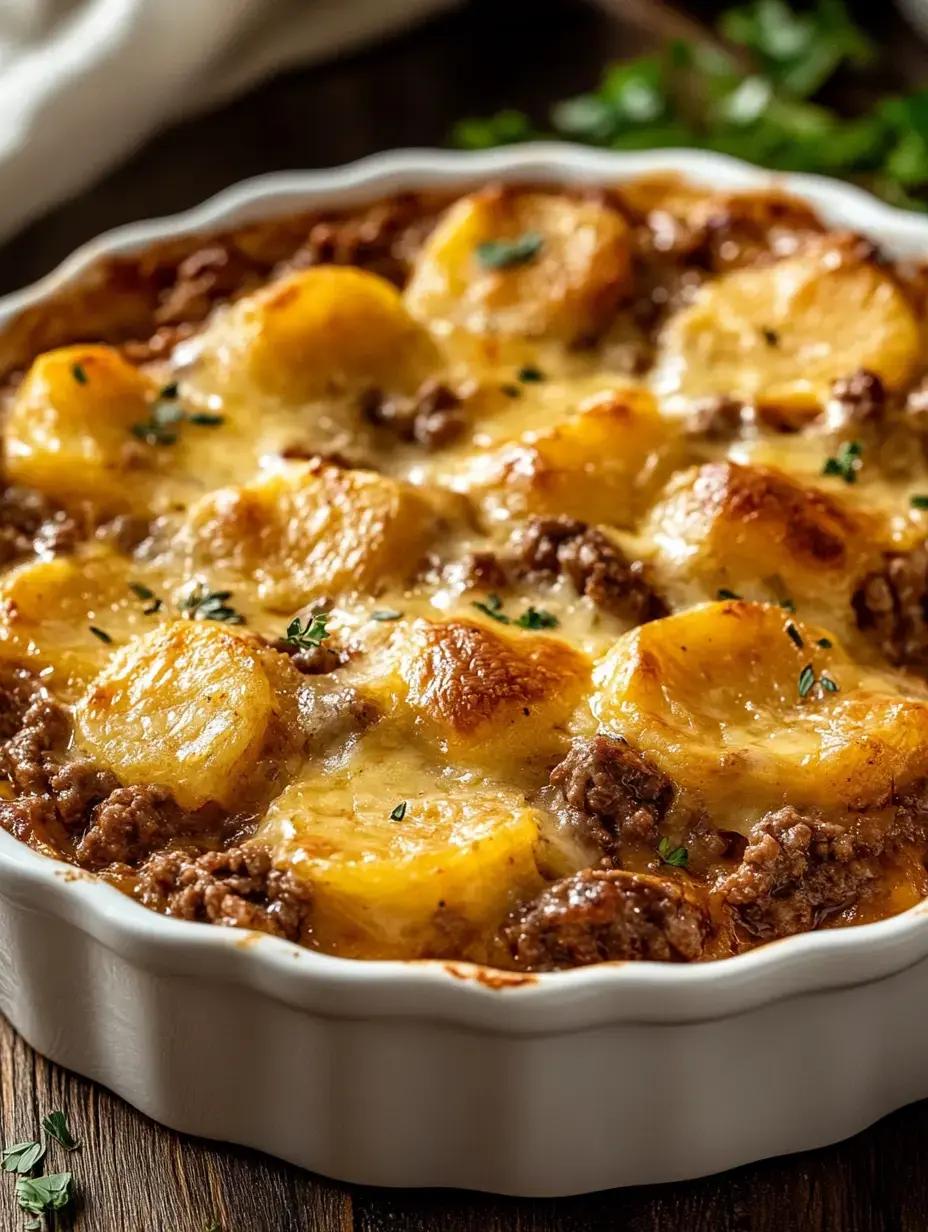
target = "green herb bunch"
x: 752, y: 92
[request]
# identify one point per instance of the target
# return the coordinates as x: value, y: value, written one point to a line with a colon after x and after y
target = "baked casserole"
x: 530, y: 577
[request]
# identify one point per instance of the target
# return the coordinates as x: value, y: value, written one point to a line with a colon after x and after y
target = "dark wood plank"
x: 134, y: 1176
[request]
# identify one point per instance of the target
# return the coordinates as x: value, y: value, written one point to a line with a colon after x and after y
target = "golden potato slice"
x: 405, y: 860
x: 522, y: 263
x: 721, y: 698
x: 489, y: 696
x: 781, y: 333
x: 69, y: 430
x: 757, y: 532
x: 308, y: 530
x: 192, y: 707
x: 602, y: 463
x: 50, y: 609
x: 321, y: 332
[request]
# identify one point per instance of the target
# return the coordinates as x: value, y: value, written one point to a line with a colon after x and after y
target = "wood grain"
x: 133, y: 1176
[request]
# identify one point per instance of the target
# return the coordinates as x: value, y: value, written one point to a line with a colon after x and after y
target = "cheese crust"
x: 534, y: 577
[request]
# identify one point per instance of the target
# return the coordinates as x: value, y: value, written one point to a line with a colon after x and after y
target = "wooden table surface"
x: 133, y: 1176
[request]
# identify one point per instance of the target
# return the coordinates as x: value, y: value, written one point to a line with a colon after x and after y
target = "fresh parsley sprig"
x: 846, y: 463
x: 203, y: 604
x: 676, y: 857
x: 531, y: 618
x: 56, y: 1126
x: 310, y: 635
x: 21, y: 1156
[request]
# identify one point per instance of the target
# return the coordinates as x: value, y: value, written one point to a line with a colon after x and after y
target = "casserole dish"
x: 439, y: 1073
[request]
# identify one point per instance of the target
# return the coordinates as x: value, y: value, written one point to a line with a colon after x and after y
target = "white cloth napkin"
x: 84, y: 81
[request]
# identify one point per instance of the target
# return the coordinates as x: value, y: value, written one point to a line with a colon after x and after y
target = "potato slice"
x: 493, y: 698
x: 192, y: 707
x: 49, y: 609
x: 321, y: 332
x: 755, y: 531
x: 717, y: 696
x: 308, y: 530
x: 576, y: 266
x: 424, y: 884
x: 780, y: 334
x: 69, y: 430
x: 602, y: 463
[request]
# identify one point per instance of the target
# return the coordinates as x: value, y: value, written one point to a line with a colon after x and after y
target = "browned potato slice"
x: 563, y: 279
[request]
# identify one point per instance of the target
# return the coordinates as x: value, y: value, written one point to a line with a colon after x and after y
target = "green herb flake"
x: 676, y: 857
x: 507, y: 254
x: 399, y: 812
x: 56, y: 1126
x: 205, y: 419
x: 203, y: 604
x: 535, y: 618
x: 828, y: 684
x: 771, y: 337
x: 308, y: 636
x: 21, y: 1156
x: 918, y: 502
x: 787, y: 605
x: 724, y: 593
x: 511, y: 391
x: 140, y: 591
x: 79, y: 372
x: 806, y: 680
x: 824, y: 642
x: 794, y: 635
x: 493, y: 609
x: 101, y: 634
x: 530, y: 375
x: 41, y: 1194
x: 847, y: 462
x: 386, y: 614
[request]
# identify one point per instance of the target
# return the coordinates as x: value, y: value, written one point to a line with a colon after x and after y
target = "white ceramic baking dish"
x: 423, y: 1073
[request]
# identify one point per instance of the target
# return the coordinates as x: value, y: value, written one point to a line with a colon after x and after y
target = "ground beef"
x: 597, y: 916
x: 385, y: 238
x: 125, y: 532
x: 25, y: 757
x: 77, y: 787
x: 18, y: 690
x: 31, y: 525
x: 798, y: 869
x: 432, y: 418
x: 238, y: 888
x: 595, y: 566
x: 610, y: 792
x: 315, y: 661
x: 128, y: 824
x: 891, y: 606
x: 719, y: 419
x: 206, y: 276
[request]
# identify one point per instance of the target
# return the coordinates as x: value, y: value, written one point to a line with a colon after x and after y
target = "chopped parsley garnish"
x: 41, y: 1194
x: 531, y: 618
x: 771, y: 337
x: 824, y: 642
x: 386, y: 614
x: 79, y: 372
x: 676, y: 857
x: 506, y: 254
x: 21, y: 1156
x: 535, y: 618
x: 511, y: 391
x: 399, y: 812
x: 101, y: 634
x: 56, y: 1126
x: 807, y: 681
x: 793, y: 634
x: 530, y: 375
x: 847, y: 462
x: 203, y: 604
x: 310, y: 635
x: 493, y: 609
x: 724, y: 593
x: 787, y: 605
x: 166, y: 413
x: 147, y: 596
x: 918, y: 502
